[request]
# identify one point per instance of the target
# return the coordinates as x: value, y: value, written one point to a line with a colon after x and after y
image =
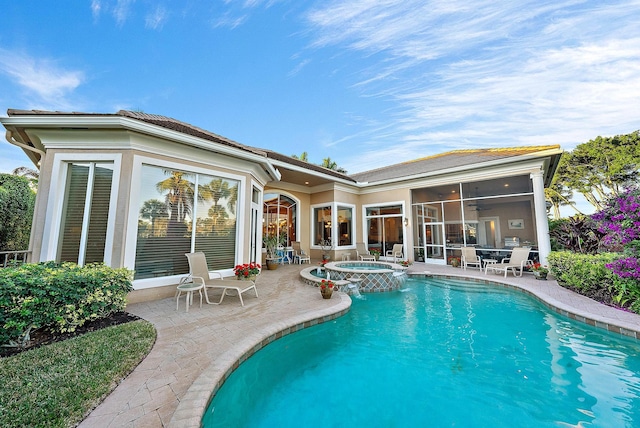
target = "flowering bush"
x: 326, y: 284
x: 405, y: 263
x: 537, y: 267
x: 454, y: 261
x: 247, y: 269
x: 620, y: 220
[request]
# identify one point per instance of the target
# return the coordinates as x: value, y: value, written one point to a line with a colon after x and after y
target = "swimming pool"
x: 436, y: 354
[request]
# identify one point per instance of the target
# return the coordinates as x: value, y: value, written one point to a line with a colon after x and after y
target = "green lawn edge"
x: 59, y: 384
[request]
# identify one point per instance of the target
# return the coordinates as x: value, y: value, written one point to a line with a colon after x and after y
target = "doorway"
x: 489, y: 232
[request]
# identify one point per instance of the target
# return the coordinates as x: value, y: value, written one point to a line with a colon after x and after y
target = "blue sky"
x: 366, y: 82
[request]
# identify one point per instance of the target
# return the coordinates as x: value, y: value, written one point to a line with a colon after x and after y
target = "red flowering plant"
x: 326, y: 284
x: 537, y: 267
x: 405, y: 263
x: 246, y: 270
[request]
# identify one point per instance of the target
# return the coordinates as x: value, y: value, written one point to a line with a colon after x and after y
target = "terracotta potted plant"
x: 326, y: 288
x: 539, y: 271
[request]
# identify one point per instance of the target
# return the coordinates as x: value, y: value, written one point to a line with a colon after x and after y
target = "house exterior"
x: 139, y: 190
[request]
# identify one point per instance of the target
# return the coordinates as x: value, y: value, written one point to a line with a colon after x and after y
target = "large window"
x: 384, y: 227
x: 280, y: 214
x: 85, y: 212
x: 332, y: 226
x: 181, y: 212
x: 345, y: 226
x: 322, y: 226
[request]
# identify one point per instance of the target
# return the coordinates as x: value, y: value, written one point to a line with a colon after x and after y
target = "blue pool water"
x: 438, y: 354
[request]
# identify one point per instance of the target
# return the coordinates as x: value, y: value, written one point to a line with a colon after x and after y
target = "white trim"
x: 55, y: 202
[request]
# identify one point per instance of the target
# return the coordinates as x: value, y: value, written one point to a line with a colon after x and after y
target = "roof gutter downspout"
x: 10, y: 139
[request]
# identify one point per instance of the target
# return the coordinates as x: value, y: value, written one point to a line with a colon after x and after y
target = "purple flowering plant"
x: 620, y: 220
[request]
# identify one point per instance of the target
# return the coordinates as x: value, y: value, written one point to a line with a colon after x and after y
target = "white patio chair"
x: 517, y: 262
x: 299, y: 255
x: 199, y: 274
x: 470, y: 258
x: 395, y: 253
x: 362, y: 252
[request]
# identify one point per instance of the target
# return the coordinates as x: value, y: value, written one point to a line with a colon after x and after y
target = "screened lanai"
x: 493, y: 215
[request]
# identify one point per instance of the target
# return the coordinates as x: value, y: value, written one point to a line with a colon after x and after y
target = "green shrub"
x: 588, y: 275
x: 60, y: 297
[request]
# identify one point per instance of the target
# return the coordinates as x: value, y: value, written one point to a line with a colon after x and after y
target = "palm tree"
x: 328, y: 163
x: 179, y: 197
x: 304, y: 157
x: 233, y: 199
x: 218, y: 189
x: 153, y: 209
x: 218, y: 215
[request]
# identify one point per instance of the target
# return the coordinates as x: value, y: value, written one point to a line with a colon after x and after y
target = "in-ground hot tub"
x: 371, y: 277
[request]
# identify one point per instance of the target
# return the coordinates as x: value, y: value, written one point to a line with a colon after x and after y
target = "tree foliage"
x: 599, y: 168
x: 16, y: 212
x: 326, y: 162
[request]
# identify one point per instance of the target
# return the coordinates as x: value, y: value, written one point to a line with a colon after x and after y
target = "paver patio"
x: 195, y: 350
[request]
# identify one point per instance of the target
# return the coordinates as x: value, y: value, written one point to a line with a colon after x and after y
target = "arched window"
x: 280, y: 214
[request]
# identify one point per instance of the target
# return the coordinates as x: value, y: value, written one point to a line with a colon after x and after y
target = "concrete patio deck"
x: 196, y: 351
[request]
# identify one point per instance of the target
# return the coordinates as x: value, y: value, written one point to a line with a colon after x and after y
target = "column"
x: 542, y: 224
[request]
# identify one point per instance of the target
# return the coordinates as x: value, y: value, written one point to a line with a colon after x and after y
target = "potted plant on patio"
x: 375, y: 253
x: 326, y: 288
x: 271, y: 244
x: 539, y: 271
x: 326, y: 247
x: 247, y: 271
x: 454, y: 261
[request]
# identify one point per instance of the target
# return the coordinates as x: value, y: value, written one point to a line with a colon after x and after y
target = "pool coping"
x: 195, y: 402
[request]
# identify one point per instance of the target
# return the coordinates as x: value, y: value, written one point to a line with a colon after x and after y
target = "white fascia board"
x: 31, y: 124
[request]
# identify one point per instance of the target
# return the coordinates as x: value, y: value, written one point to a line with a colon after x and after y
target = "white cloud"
x: 96, y: 8
x: 121, y: 10
x: 156, y: 18
x: 489, y: 73
x: 47, y: 84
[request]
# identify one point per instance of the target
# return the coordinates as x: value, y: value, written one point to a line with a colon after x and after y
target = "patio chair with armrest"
x: 362, y: 252
x: 199, y: 273
x: 517, y: 262
x: 395, y: 252
x: 470, y: 258
x: 299, y: 255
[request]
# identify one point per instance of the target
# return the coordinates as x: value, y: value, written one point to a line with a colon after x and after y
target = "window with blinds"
x: 85, y: 212
x: 181, y: 212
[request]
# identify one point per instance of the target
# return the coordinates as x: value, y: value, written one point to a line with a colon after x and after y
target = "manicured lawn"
x: 57, y: 385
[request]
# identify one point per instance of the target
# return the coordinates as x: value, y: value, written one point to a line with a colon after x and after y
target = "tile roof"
x: 439, y: 162
x: 447, y: 160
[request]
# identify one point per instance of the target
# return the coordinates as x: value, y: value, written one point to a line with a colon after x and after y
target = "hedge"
x: 60, y: 297
x: 588, y: 275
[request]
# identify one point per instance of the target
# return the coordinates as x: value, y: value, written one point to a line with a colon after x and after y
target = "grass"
x: 59, y: 384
